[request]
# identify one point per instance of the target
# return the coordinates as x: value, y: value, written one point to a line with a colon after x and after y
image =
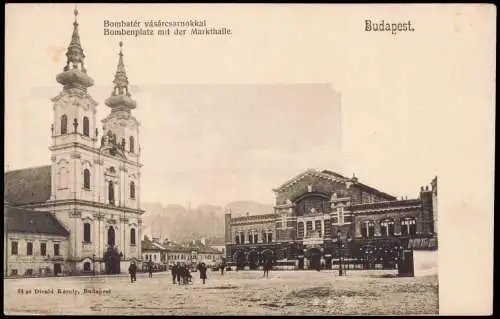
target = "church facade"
x: 92, y: 186
x: 321, y: 215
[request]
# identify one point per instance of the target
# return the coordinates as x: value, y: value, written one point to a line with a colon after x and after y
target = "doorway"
x: 57, y: 269
x: 315, y: 259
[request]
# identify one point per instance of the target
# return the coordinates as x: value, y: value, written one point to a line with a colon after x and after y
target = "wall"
x: 22, y: 261
x: 425, y: 262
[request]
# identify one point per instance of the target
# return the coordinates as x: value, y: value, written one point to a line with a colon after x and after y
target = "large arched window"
x: 111, y: 193
x: 132, y: 190
x: 86, y: 232
x: 131, y: 144
x: 132, y: 236
x: 86, y: 126
x: 86, y: 179
x: 64, y: 124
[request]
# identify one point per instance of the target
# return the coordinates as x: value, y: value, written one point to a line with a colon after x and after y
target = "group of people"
x: 181, y: 273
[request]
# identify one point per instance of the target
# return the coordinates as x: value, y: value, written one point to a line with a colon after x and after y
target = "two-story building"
x: 36, y: 244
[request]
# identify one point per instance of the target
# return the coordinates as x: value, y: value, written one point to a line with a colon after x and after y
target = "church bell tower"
x: 74, y: 131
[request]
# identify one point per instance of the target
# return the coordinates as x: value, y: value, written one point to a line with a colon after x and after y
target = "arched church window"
x: 111, y: 193
x: 86, y: 232
x: 63, y: 177
x: 131, y: 144
x: 86, y: 126
x: 132, y: 190
x: 64, y: 124
x: 132, y: 236
x: 86, y: 179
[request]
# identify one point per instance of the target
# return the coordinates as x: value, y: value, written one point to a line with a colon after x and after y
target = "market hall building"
x: 321, y: 215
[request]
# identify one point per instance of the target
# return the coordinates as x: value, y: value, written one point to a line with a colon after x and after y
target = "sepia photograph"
x: 248, y: 159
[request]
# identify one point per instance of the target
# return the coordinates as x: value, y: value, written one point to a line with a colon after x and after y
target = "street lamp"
x: 339, y: 241
x: 93, y: 265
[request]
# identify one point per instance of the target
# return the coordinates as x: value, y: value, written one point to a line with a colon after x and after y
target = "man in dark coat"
x: 150, y: 268
x: 178, y: 273
x: 222, y: 266
x: 174, y: 272
x: 203, y: 272
x: 132, y: 269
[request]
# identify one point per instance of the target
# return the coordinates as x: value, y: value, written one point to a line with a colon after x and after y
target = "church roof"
x: 29, y: 185
x: 21, y: 220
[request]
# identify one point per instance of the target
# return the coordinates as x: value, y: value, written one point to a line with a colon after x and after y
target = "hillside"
x: 179, y: 223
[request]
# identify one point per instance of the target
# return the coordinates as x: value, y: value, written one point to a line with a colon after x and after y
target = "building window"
x: 300, y: 230
x: 387, y: 228
x: 317, y: 227
x: 86, y: 266
x: 29, y: 272
x: 56, y: 249
x: 237, y: 239
x: 13, y: 248
x: 43, y: 249
x: 123, y: 143
x: 242, y: 238
x: 154, y: 257
x: 86, y: 232
x: 364, y: 230
x: 340, y: 215
x: 132, y: 236
x: 255, y: 237
x: 131, y: 144
x: 111, y: 193
x: 309, y: 227
x: 29, y: 249
x: 86, y: 126
x: 371, y: 229
x: 408, y: 227
x: 368, y: 229
x: 347, y: 219
x: 86, y: 178
x: 132, y: 190
x: 13, y: 272
x: 250, y: 238
x: 269, y: 237
x: 64, y: 124
x: 264, y: 237
x: 63, y: 177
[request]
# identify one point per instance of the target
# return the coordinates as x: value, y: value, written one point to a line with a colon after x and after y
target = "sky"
x: 228, y: 117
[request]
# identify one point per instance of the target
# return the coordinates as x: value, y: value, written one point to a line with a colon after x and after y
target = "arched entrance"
x: 111, y: 236
x: 314, y: 258
x: 253, y: 259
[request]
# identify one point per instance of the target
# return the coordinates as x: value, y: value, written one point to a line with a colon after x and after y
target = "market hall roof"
x: 332, y: 176
x: 21, y: 220
x: 27, y: 186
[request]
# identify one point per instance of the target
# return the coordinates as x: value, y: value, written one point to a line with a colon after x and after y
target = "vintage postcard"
x: 249, y: 159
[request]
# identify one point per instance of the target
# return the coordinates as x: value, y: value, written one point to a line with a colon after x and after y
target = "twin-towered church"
x: 81, y: 213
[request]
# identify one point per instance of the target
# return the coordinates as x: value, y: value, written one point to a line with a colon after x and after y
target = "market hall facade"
x: 320, y: 215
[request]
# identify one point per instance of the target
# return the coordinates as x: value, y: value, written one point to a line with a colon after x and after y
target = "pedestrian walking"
x: 174, y: 273
x: 268, y: 265
x: 132, y: 269
x: 150, y: 269
x: 178, y: 273
x: 203, y: 272
x: 222, y: 266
